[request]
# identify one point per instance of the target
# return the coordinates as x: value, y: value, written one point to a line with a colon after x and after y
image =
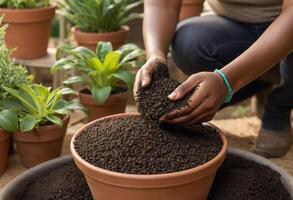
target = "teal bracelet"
x: 227, y: 84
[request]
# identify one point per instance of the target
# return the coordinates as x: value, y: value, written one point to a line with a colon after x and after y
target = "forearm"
x: 159, y: 26
x: 274, y: 45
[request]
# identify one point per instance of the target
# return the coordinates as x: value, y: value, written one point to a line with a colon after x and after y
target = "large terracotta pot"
x: 115, y: 104
x: 4, y: 148
x: 192, y: 184
x: 28, y: 31
x: 91, y: 40
x: 40, y: 145
x: 190, y: 8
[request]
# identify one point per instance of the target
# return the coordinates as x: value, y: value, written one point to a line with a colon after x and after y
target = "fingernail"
x: 172, y: 95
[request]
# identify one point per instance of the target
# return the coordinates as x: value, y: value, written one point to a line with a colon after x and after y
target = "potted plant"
x: 10, y: 76
x: 29, y: 26
x: 38, y: 117
x: 190, y: 8
x: 106, y: 75
x: 103, y: 20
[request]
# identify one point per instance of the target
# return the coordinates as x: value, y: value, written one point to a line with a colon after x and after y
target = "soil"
x: 153, y: 101
x: 130, y: 145
x: 64, y: 183
x: 238, y: 178
x: 242, y: 179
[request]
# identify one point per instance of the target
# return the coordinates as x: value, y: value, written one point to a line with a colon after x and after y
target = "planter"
x: 105, y: 184
x: 190, y: 8
x: 40, y: 145
x: 23, y: 181
x: 91, y: 40
x: 4, y: 148
x: 115, y: 104
x: 29, y: 31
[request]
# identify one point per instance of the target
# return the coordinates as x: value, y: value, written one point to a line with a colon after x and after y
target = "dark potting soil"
x: 134, y: 145
x: 242, y: 179
x: 64, y: 183
x: 153, y: 101
x: 237, y: 179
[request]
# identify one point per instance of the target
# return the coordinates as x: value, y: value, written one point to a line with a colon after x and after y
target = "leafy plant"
x: 99, y: 15
x: 21, y: 4
x: 102, y: 70
x: 34, y: 105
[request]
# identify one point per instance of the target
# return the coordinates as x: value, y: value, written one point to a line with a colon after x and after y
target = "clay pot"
x: 28, y: 31
x: 91, y: 40
x: 40, y: 145
x: 4, y: 148
x: 115, y: 104
x: 190, y: 8
x: 190, y: 184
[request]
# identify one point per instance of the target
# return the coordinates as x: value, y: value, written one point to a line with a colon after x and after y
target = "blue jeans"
x: 209, y: 42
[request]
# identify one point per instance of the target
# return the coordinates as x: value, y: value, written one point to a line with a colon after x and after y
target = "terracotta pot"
x: 192, y: 184
x: 114, y: 104
x: 191, y: 8
x: 40, y: 145
x: 4, y: 148
x: 91, y: 40
x: 29, y: 31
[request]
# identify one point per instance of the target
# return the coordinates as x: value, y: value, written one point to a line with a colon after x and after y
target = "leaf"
x: 132, y: 56
x: 103, y: 48
x: 126, y: 77
x: 27, y: 123
x: 111, y: 62
x: 96, y: 64
x: 74, y: 80
x: 55, y: 120
x: 84, y: 52
x: 9, y: 120
x: 100, y: 95
x: 67, y: 91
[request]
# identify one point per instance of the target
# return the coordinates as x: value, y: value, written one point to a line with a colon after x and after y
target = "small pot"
x: 4, y: 148
x: 189, y: 184
x: 115, y: 104
x: 190, y: 8
x: 40, y: 145
x: 28, y: 31
x: 91, y: 40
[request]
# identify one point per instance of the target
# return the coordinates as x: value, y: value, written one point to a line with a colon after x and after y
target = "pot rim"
x: 194, y: 170
x: 123, y: 29
x: 16, y: 10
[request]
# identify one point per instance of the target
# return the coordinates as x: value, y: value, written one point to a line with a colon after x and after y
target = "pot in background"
x: 90, y: 40
x: 4, y: 149
x: 115, y: 104
x: 190, y: 8
x: 28, y: 31
x: 189, y: 184
x: 40, y: 145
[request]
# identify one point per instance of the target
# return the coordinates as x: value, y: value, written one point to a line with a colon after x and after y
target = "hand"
x: 144, y: 75
x: 202, y: 106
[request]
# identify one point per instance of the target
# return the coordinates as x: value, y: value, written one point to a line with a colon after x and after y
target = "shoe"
x: 273, y: 144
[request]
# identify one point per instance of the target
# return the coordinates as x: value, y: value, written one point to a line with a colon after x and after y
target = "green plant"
x: 99, y: 15
x: 22, y: 4
x: 34, y: 105
x: 102, y: 70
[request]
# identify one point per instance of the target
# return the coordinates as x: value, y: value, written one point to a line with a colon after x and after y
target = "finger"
x: 136, y: 83
x: 203, y: 118
x: 146, y: 73
x: 185, y: 87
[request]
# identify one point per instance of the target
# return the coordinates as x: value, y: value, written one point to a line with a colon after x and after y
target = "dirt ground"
x: 241, y: 132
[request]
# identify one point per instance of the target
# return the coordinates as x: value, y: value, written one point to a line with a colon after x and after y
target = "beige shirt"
x: 249, y: 11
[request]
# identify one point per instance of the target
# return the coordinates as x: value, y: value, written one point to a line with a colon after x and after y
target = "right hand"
x: 144, y: 75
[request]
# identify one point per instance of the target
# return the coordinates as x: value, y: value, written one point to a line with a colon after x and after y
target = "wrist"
x: 160, y: 56
x: 227, y: 85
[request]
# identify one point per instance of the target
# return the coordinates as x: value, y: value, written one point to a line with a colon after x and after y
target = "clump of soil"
x: 153, y: 101
x: 64, y: 183
x: 134, y: 145
x: 242, y: 179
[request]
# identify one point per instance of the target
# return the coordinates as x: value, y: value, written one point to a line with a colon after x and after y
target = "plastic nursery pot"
x: 4, y: 149
x: 190, y: 8
x: 91, y: 40
x: 189, y: 184
x: 41, y: 144
x: 28, y: 31
x: 115, y: 104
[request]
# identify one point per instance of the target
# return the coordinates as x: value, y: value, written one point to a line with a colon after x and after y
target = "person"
x: 224, y: 54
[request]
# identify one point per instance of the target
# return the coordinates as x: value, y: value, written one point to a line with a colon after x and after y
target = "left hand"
x: 209, y: 95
